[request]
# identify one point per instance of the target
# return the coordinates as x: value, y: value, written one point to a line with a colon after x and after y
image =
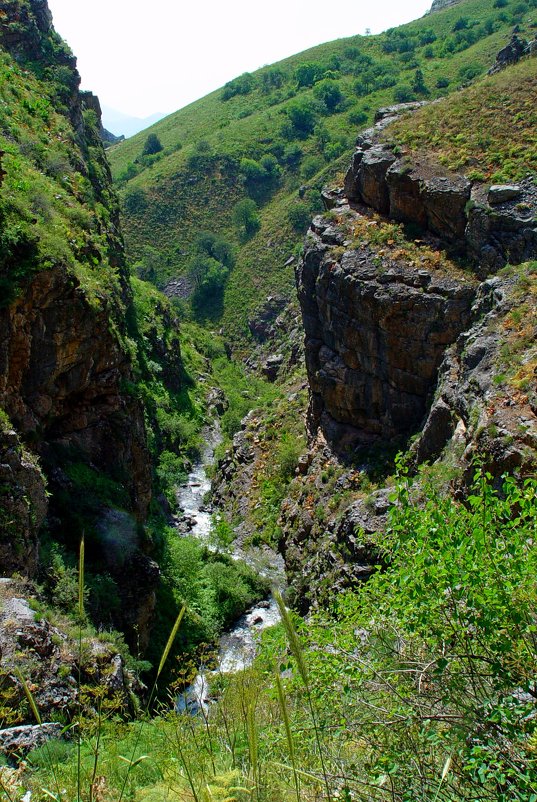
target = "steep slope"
x: 65, y: 348
x: 419, y: 336
x: 276, y: 136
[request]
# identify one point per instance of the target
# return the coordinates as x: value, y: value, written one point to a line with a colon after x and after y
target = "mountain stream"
x: 237, y: 646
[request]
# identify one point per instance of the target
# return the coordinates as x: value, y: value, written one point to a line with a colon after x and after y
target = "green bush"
x: 152, y: 145
x: 329, y: 94
x: 242, y: 85
x: 308, y: 73
x: 302, y: 116
x: 246, y: 218
x: 299, y: 215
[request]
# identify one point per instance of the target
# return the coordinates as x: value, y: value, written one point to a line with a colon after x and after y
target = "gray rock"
x: 28, y: 736
x: 272, y: 366
x: 500, y: 193
x: 375, y: 337
x: 371, y: 184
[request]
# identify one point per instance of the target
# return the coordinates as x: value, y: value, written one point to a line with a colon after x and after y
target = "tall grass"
x: 298, y: 653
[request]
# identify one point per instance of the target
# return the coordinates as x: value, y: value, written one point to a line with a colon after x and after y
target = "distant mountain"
x: 119, y: 123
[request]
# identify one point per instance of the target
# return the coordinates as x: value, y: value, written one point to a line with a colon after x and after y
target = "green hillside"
x: 266, y: 134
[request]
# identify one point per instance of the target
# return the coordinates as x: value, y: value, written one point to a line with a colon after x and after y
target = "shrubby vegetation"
x: 296, y: 121
x: 418, y: 686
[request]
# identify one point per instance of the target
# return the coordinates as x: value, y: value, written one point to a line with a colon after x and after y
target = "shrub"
x: 309, y: 73
x: 272, y: 78
x: 357, y: 116
x: 246, y: 218
x: 329, y: 94
x: 302, y: 116
x: 418, y: 83
x: 152, y: 145
x: 242, y: 85
x: 404, y: 94
x: 202, y: 156
x: 299, y: 216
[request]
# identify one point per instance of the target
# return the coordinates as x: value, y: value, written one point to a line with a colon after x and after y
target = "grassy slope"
x: 50, y: 210
x: 500, y: 143
x: 179, y: 201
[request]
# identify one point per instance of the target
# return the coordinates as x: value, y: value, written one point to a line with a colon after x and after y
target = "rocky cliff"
x: 387, y: 283
x: 439, y: 5
x: 65, y: 367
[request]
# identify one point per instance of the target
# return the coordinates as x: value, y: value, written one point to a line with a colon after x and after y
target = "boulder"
x: 27, y: 737
x: 445, y: 199
x: 501, y: 193
x: 404, y: 188
x: 272, y: 367
x: 371, y: 184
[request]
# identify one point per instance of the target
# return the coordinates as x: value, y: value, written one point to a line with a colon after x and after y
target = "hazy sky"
x: 147, y: 56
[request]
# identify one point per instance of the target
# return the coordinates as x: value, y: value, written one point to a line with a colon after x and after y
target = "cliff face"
x: 439, y: 5
x: 376, y: 329
x: 64, y: 366
x: 380, y: 303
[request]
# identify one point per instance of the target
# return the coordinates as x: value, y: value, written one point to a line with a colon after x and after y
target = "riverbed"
x: 237, y: 646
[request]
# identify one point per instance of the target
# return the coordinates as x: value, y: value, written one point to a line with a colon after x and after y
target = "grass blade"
x: 171, y: 639
x: 28, y: 694
x: 81, y: 580
x: 287, y: 726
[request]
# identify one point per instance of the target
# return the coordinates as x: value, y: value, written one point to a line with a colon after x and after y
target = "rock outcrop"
x: 466, y: 219
x: 61, y: 371
x: 486, y: 399
x: 439, y: 5
x: 23, y: 503
x: 510, y: 54
x: 52, y: 663
x: 65, y: 353
x: 377, y: 321
x: 376, y: 329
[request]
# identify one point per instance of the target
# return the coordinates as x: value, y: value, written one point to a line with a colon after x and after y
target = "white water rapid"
x: 238, y: 646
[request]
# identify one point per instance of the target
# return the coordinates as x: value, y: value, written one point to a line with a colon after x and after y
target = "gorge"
x: 289, y: 347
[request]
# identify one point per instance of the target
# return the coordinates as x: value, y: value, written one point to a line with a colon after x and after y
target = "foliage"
x: 152, y: 145
x: 487, y: 145
x: 242, y: 85
x: 246, y: 218
x: 418, y: 686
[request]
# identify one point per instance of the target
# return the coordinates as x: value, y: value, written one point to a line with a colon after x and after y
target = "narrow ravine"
x: 238, y: 645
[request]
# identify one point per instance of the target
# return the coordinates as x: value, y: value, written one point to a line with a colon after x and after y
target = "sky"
x: 147, y: 56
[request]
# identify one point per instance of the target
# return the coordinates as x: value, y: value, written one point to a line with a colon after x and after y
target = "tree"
x: 152, y: 145
x: 216, y: 247
x: 302, y: 116
x: 307, y: 74
x: 403, y: 94
x: 246, y: 218
x: 329, y: 93
x: 418, y: 83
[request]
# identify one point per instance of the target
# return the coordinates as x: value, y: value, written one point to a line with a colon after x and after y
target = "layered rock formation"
x: 379, y: 308
x: 376, y: 330
x: 466, y: 219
